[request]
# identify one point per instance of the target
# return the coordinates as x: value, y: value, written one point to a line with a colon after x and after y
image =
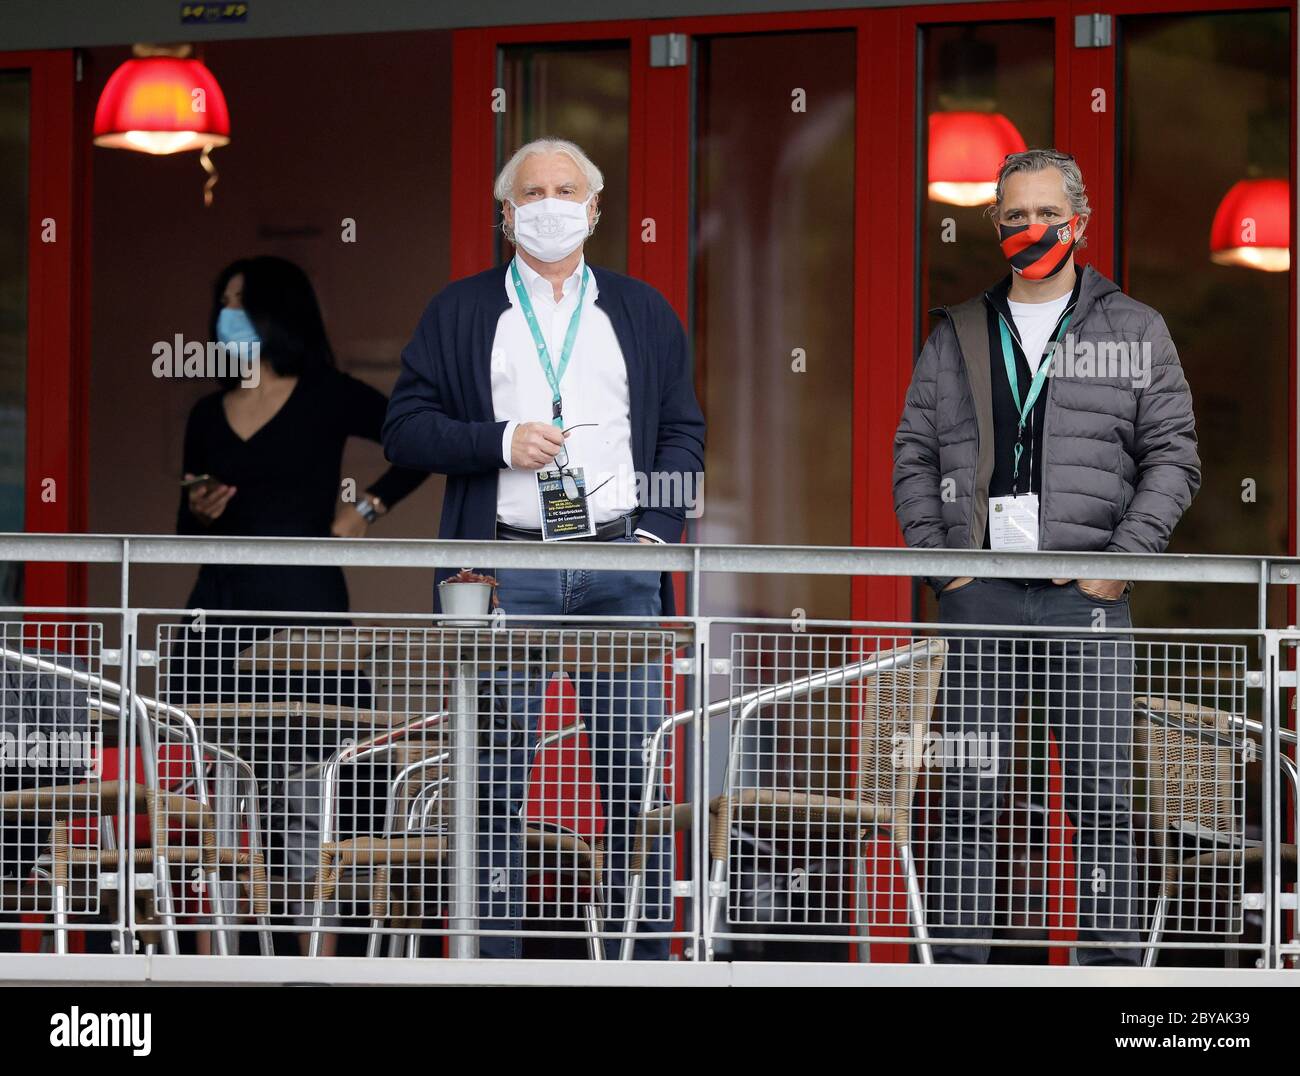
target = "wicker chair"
x: 416, y: 836
x: 900, y: 690
x: 1191, y: 759
x: 168, y: 812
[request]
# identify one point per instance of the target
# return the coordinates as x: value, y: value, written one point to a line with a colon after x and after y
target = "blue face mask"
x: 235, y: 327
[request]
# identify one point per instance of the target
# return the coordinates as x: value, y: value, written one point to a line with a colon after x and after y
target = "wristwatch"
x: 370, y: 508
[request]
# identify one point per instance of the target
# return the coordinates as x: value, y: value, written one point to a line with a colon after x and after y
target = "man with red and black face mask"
x: 1049, y: 413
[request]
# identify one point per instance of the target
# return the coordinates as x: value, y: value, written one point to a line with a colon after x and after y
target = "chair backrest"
x: 562, y: 790
x: 805, y: 745
x: 1190, y: 783
x: 893, y: 727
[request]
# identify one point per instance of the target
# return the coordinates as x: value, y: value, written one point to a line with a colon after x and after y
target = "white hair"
x: 503, y: 189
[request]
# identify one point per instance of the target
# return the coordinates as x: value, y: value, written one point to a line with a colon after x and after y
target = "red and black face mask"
x: 1037, y: 251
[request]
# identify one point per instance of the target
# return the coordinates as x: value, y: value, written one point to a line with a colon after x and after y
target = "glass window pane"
x: 773, y: 273
x: 14, y: 153
x: 986, y: 88
x: 580, y: 92
x: 1192, y: 81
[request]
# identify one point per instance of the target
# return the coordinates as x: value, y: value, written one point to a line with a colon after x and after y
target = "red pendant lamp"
x: 1252, y: 226
x: 966, y: 150
x: 160, y: 102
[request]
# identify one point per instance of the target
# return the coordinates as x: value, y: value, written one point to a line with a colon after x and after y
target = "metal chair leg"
x: 859, y: 905
x: 718, y: 882
x: 631, y: 916
x: 60, y: 919
x: 916, y: 904
x: 60, y: 861
x: 595, y: 927
x: 265, y: 943
x: 1157, y: 925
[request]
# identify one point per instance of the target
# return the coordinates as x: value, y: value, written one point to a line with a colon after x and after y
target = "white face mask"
x: 551, y: 229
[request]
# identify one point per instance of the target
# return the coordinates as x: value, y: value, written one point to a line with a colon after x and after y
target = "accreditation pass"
x: 1013, y: 522
x: 563, y: 517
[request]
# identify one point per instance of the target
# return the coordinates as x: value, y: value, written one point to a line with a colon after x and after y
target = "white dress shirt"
x: 594, y: 389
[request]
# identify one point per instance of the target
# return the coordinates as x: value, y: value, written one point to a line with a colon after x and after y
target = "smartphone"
x: 197, y: 480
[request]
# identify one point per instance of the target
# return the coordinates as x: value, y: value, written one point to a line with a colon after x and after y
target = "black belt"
x: 605, y: 532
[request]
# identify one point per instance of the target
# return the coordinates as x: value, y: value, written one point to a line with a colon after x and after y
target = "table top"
x: 426, y: 654
x: 297, y: 714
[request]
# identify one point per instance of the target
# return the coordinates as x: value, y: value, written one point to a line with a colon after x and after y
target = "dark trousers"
x: 1086, y: 681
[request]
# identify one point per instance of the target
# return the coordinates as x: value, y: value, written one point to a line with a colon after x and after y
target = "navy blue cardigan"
x: 440, y: 415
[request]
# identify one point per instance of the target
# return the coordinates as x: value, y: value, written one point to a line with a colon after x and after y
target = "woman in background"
x: 263, y: 457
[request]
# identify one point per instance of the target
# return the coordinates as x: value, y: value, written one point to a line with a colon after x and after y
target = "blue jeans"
x: 619, y: 708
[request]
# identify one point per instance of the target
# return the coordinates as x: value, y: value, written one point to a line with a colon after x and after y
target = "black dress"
x: 288, y: 477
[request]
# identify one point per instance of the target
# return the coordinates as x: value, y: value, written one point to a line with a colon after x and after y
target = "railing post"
x: 464, y: 857
x: 1270, y: 713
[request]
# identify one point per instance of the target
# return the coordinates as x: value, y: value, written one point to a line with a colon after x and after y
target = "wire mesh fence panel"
x: 575, y: 784
x: 815, y: 823
x: 413, y: 778
x: 987, y: 785
x: 57, y: 805
x: 299, y: 741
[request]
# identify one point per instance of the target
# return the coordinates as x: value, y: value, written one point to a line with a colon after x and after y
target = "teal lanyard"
x: 553, y: 376
x: 1041, y: 375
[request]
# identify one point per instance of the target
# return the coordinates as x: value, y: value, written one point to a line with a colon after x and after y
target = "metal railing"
x: 904, y: 789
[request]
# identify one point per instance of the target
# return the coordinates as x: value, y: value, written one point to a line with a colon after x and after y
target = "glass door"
x: 759, y: 261
x: 773, y: 305
x: 579, y: 91
x: 1204, y: 238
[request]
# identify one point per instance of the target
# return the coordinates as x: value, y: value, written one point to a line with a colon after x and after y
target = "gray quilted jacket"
x: 1120, y: 456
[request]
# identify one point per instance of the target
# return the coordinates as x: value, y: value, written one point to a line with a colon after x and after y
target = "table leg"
x: 464, y: 899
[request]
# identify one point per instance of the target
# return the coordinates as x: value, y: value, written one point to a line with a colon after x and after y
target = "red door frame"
x: 58, y: 318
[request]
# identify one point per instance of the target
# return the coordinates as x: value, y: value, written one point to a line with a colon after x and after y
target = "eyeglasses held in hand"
x: 568, y: 480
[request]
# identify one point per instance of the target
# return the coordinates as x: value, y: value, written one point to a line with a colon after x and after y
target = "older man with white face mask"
x: 552, y: 393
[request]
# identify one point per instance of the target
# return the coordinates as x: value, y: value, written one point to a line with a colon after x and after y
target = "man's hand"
x: 960, y: 581
x: 534, y: 445
x: 1107, y: 590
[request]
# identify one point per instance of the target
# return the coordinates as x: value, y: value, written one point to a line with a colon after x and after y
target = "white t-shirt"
x: 1034, y: 323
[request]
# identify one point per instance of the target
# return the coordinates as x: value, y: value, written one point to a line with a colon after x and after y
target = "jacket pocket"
x: 1121, y: 498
